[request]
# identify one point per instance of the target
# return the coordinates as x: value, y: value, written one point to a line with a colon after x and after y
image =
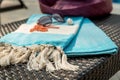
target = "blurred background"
x: 18, y: 10
x: 15, y: 10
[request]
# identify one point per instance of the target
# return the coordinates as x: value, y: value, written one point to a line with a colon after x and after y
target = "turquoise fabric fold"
x: 89, y: 40
x: 61, y: 39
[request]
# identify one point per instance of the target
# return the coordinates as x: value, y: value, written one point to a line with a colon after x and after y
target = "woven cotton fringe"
x: 37, y: 57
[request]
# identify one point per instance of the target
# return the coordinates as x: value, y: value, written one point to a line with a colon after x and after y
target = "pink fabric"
x: 87, y: 8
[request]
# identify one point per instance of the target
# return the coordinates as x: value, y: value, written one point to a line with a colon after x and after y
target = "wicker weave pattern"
x: 100, y: 67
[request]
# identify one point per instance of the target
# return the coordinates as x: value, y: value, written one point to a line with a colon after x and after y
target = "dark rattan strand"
x: 100, y: 67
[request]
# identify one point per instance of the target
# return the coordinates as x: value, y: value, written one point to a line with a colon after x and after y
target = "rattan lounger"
x: 100, y: 67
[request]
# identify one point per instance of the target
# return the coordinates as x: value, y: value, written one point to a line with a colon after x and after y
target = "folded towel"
x: 90, y: 40
x: 44, y: 49
x: 81, y: 38
x: 57, y: 37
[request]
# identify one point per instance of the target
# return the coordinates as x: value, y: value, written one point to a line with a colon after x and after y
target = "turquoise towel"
x: 90, y: 40
x: 57, y: 37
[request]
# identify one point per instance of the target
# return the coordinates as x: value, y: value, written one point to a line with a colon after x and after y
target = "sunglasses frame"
x: 47, y: 20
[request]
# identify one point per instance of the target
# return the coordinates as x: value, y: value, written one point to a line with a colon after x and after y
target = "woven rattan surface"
x: 99, y: 67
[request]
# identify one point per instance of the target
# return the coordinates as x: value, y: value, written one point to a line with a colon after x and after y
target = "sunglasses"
x: 47, y: 20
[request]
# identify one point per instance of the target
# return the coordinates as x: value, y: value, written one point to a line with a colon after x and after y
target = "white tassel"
x: 57, y: 59
x: 23, y: 58
x: 37, y: 62
x: 67, y: 66
x: 20, y: 55
x: 13, y: 55
x: 4, y: 52
x: 1, y: 48
x: 39, y: 56
x: 5, y: 60
x: 30, y: 62
x: 50, y: 67
x: 43, y: 59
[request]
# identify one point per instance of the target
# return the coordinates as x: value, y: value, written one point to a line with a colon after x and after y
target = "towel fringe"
x: 37, y: 57
x: 13, y: 55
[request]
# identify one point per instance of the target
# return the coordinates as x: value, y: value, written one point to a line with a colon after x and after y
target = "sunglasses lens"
x: 58, y: 18
x: 45, y: 20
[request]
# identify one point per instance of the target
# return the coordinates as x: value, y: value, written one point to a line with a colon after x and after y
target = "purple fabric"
x: 87, y: 8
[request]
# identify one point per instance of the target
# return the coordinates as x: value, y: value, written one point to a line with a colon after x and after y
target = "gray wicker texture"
x: 99, y: 67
